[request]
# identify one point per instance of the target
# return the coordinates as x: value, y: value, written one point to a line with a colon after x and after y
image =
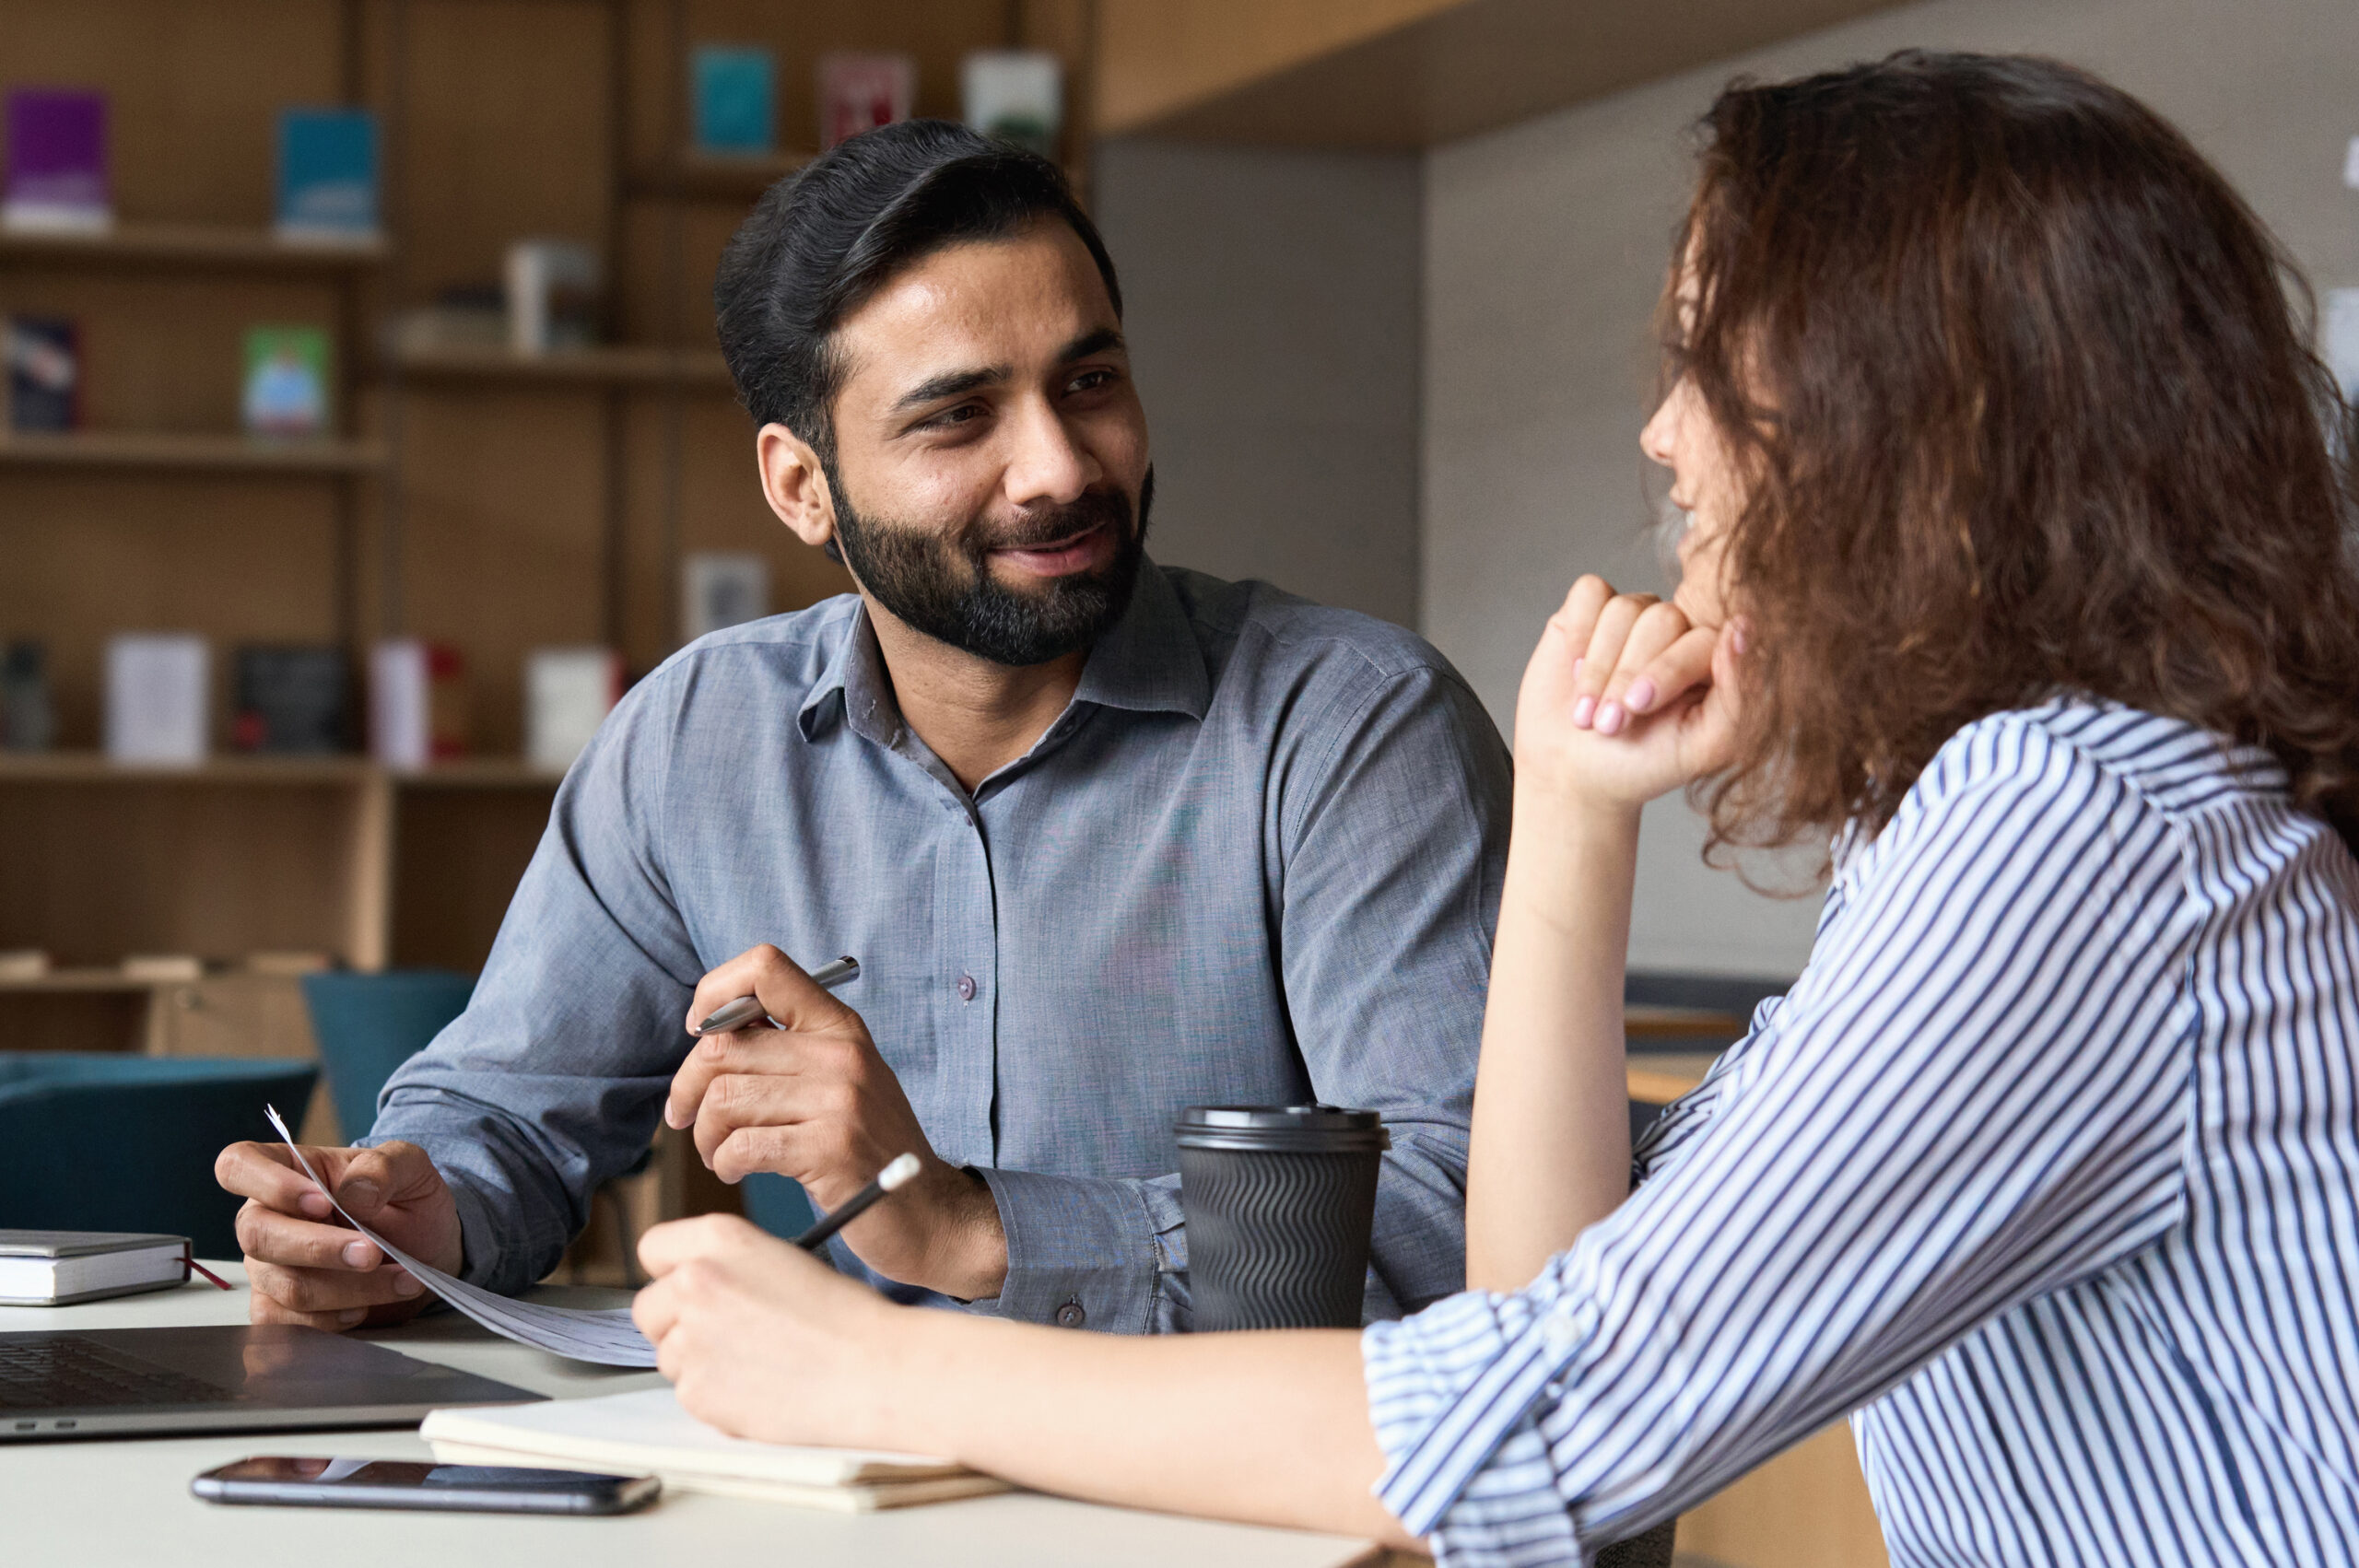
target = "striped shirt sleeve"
x: 1969, y: 1098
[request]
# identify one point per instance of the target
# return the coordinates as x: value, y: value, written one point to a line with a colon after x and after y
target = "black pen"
x: 745, y: 1008
x: 903, y: 1167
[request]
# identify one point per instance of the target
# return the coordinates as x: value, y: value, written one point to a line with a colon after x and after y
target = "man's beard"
x: 943, y: 586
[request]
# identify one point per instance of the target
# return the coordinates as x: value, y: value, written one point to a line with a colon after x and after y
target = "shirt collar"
x: 1149, y: 662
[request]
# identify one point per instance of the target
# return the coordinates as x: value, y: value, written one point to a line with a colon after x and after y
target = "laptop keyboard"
x: 55, y: 1374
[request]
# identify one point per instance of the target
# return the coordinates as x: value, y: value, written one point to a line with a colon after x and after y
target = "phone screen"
x: 401, y: 1484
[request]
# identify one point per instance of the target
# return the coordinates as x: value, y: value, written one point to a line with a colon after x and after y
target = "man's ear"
x: 795, y: 484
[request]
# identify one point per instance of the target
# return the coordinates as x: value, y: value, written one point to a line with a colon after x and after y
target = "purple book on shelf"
x: 57, y: 160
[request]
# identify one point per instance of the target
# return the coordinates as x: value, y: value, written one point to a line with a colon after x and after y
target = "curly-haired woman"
x: 2020, y: 562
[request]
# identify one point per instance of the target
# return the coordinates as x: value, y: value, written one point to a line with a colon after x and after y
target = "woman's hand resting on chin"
x: 764, y: 1340
x: 1626, y: 698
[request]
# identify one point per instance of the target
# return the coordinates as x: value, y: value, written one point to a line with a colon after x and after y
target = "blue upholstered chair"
x: 91, y: 1141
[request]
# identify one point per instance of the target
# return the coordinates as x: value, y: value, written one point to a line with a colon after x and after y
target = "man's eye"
x: 1090, y: 381
x: 965, y: 413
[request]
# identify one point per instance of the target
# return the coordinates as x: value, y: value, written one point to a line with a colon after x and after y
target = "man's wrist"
x: 968, y: 1256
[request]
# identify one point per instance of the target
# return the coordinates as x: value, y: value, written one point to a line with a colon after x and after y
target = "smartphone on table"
x: 402, y: 1483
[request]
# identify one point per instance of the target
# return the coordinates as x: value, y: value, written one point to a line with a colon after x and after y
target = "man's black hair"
x: 824, y: 240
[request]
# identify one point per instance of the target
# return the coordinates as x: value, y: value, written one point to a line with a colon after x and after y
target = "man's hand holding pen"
x: 812, y: 1099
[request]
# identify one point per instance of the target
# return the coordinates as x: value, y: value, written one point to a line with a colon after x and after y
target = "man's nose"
x: 1046, y: 466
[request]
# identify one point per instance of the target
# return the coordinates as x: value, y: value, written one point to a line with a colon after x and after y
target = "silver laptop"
x: 71, y: 1383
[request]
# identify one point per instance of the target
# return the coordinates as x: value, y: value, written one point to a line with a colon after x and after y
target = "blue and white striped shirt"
x: 2046, y: 1167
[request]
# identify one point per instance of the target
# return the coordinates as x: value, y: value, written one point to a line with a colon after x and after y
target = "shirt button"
x: 1559, y: 1330
x: 965, y: 988
x: 1071, y: 1315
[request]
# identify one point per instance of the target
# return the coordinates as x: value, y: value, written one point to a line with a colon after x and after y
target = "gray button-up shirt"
x: 1257, y: 861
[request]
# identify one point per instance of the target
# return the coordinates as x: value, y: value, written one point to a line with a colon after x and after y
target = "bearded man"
x: 1108, y: 838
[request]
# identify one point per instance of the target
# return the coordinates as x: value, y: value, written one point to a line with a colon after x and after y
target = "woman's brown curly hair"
x: 2024, y: 398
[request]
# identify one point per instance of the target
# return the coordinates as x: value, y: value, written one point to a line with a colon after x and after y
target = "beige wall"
x: 1544, y: 245
x: 1271, y: 304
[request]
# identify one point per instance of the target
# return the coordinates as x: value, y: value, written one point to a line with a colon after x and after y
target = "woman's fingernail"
x: 1609, y: 718
x: 407, y: 1285
x: 1581, y: 711
x: 358, y: 1253
x: 351, y: 1314
x: 1640, y: 697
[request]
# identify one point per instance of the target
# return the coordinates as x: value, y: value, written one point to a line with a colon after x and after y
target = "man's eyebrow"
x: 950, y: 383
x: 1091, y: 342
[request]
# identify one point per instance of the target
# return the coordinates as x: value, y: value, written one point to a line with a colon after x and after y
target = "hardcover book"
x: 60, y: 1267
x: 735, y: 92
x: 286, y: 382
x: 568, y: 693
x: 158, y: 691
x: 416, y: 703
x: 860, y: 92
x: 327, y: 175
x: 45, y: 373
x: 57, y: 162
x: 289, y: 698
x: 1016, y: 95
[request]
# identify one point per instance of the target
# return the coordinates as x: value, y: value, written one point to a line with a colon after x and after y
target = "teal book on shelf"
x: 734, y: 89
x: 327, y: 174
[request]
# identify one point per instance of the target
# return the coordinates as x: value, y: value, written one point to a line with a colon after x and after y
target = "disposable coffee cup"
x: 1279, y: 1200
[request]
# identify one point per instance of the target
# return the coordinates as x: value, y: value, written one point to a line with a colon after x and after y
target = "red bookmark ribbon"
x: 189, y: 1258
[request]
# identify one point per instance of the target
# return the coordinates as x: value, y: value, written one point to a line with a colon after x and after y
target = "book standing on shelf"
x: 286, y: 382
x: 45, y: 373
x: 157, y: 687
x: 553, y: 288
x: 57, y: 180
x: 1016, y: 95
x: 568, y: 693
x: 860, y: 92
x: 292, y: 698
x: 734, y: 89
x: 416, y: 703
x: 327, y: 176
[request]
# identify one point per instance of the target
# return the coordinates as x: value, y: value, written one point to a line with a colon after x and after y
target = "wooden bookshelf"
x: 606, y: 364
x: 191, y: 452
x: 189, y: 245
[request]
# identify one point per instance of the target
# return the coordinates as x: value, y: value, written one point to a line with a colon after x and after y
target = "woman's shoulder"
x: 2072, y: 747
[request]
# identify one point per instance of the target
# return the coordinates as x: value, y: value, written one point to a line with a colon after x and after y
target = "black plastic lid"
x: 1294, y: 1130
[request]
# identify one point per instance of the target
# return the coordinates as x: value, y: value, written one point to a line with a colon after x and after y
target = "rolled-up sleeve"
x: 1971, y: 1097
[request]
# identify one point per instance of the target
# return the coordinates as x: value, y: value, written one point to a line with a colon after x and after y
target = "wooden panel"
x: 88, y: 557
x: 504, y: 521
x: 503, y: 135
x: 173, y: 864
x: 457, y: 856
x: 208, y: 246
x: 1807, y: 1508
x: 1457, y: 71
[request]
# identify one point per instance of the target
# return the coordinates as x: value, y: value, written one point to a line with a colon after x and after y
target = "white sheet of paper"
x: 608, y: 1338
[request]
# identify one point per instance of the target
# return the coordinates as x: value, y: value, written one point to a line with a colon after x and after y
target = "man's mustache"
x: 1053, y: 525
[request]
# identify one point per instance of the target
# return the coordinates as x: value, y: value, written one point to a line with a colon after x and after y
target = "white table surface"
x: 104, y: 1502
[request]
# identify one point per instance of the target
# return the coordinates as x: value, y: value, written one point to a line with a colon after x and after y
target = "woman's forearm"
x: 1551, y: 1152
x: 1268, y: 1428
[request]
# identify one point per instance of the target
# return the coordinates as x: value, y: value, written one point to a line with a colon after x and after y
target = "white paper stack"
x: 647, y: 1433
x: 158, y: 692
